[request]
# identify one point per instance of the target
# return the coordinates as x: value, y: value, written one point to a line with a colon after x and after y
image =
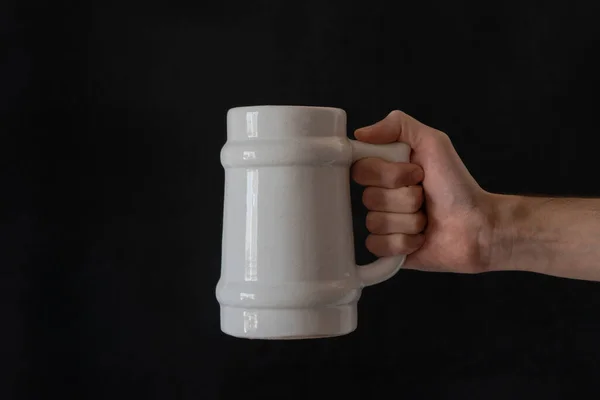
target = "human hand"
x: 431, y: 208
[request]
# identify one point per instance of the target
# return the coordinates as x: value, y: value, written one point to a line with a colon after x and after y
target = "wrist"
x: 517, y: 238
x: 506, y: 213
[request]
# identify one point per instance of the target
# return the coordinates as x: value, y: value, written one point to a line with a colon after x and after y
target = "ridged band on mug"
x: 287, y: 295
x: 315, y: 151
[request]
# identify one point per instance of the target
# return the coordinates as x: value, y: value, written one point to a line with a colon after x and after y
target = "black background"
x: 112, y: 119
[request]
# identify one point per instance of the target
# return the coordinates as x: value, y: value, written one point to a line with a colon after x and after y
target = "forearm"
x: 553, y: 236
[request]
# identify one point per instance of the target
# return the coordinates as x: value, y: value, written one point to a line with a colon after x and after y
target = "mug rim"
x: 284, y: 106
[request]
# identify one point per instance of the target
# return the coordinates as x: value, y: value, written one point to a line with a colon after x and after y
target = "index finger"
x: 397, y: 126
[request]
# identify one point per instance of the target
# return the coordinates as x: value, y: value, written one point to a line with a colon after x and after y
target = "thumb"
x: 397, y: 126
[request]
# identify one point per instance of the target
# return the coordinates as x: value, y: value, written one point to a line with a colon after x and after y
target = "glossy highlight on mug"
x: 250, y: 270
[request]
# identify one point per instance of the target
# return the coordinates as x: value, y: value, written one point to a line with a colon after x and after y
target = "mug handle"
x: 385, y: 267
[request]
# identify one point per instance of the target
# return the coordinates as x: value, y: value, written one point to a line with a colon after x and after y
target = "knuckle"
x: 399, y: 244
x: 390, y: 247
x: 401, y: 176
x: 392, y: 177
x: 395, y: 114
x: 415, y: 198
x: 402, y: 242
x: 441, y: 137
x: 436, y: 137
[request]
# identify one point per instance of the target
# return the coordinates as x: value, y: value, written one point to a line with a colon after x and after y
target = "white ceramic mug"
x: 288, y: 269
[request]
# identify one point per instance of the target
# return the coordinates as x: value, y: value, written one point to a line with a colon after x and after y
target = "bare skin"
x: 433, y: 210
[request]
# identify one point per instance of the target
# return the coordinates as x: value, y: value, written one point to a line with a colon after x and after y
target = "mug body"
x: 288, y: 268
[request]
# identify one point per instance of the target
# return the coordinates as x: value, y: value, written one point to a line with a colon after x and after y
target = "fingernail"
x: 417, y: 175
x: 361, y: 133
